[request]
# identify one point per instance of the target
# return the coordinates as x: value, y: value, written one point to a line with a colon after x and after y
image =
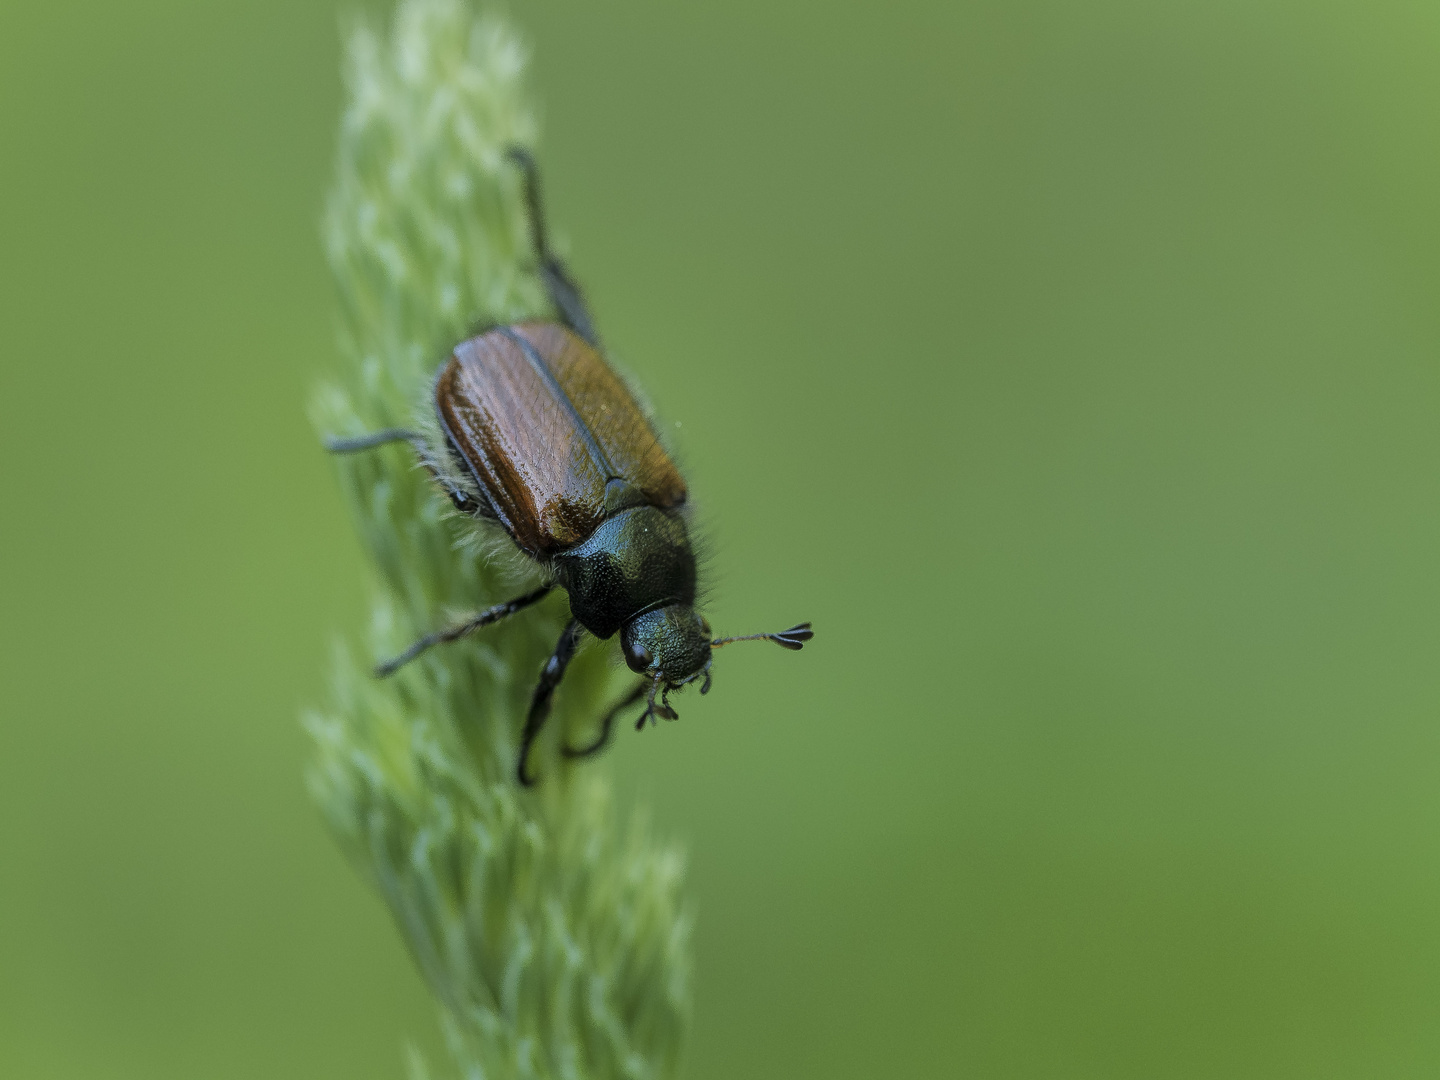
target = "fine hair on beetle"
x: 486, y: 540
x: 534, y: 436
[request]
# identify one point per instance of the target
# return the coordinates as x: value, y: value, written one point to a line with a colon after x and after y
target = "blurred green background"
x: 1073, y: 367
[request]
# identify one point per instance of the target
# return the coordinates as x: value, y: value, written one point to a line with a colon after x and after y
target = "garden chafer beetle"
x: 536, y: 433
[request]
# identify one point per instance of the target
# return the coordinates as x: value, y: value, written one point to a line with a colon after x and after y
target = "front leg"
x: 550, y: 677
x: 607, y: 723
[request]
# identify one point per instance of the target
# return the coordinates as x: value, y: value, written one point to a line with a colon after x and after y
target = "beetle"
x: 535, y: 432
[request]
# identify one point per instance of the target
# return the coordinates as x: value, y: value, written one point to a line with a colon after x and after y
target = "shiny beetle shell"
x: 553, y: 438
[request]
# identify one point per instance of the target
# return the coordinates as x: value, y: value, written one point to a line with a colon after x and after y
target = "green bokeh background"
x: 1073, y: 367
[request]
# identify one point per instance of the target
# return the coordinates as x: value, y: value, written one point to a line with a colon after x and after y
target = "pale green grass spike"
x: 554, y: 941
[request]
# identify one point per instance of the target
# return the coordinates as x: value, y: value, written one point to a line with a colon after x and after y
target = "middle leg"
x: 550, y: 677
x: 469, y: 626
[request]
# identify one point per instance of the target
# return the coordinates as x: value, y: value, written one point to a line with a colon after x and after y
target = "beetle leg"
x: 463, y: 500
x: 366, y: 442
x: 550, y: 676
x: 606, y: 723
x: 564, y: 293
x: 483, y: 619
x: 652, y: 710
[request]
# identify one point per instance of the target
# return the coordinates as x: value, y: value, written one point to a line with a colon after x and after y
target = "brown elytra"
x: 546, y: 426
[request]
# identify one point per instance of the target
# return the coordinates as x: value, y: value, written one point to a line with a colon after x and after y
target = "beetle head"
x: 671, y: 646
x: 670, y: 643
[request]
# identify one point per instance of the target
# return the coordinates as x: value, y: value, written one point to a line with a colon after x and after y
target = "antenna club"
x: 794, y: 638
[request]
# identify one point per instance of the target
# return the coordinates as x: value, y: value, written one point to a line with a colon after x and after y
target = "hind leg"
x: 463, y: 500
x: 564, y: 293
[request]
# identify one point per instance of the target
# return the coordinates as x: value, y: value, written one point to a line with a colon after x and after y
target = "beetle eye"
x: 638, y: 657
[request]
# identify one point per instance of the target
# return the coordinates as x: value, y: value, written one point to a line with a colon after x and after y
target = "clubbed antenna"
x: 794, y: 638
